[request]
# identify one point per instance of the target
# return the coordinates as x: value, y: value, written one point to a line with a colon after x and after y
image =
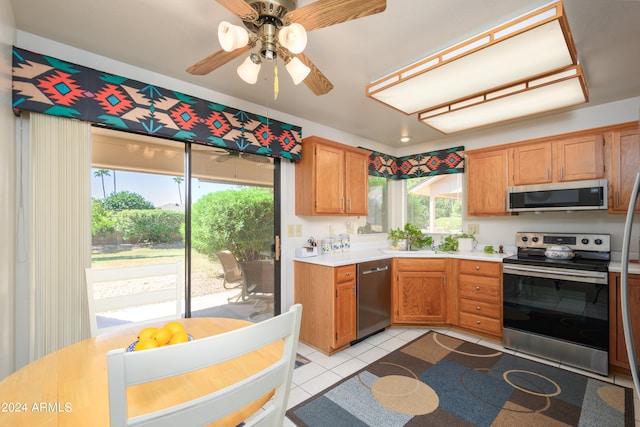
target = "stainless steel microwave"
x: 563, y: 196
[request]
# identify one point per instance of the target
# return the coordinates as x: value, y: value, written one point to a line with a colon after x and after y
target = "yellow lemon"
x: 146, y: 333
x: 145, y: 344
x: 162, y: 336
x: 179, y: 337
x: 174, y: 327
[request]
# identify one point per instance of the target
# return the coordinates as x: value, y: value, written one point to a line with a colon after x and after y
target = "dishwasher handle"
x: 375, y: 270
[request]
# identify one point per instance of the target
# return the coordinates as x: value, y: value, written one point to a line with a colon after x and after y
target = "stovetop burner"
x: 592, y: 251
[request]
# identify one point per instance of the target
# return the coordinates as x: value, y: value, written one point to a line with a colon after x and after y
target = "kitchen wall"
x: 7, y: 195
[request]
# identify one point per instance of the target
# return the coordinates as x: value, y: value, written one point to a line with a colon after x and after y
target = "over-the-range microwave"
x: 563, y: 196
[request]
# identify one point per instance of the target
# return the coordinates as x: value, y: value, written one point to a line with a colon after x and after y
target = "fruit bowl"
x: 131, y: 346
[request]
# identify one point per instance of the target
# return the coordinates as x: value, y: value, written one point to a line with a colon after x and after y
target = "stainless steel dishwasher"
x: 373, y: 290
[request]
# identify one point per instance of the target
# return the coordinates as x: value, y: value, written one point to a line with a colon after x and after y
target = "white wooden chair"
x: 174, y: 294
x: 130, y: 368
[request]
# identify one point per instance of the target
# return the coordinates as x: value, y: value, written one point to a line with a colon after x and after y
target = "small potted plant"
x: 466, y: 242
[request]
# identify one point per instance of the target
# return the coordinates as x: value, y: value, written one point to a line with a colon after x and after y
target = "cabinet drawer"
x: 483, y: 268
x: 480, y: 323
x: 480, y: 308
x: 346, y: 273
x: 479, y: 287
x: 420, y: 264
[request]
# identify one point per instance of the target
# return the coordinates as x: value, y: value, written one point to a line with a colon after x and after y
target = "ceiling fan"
x: 278, y: 28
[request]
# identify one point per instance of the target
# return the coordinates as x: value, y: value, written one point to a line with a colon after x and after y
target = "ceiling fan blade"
x: 216, y: 60
x: 324, y: 13
x: 315, y: 81
x: 240, y: 8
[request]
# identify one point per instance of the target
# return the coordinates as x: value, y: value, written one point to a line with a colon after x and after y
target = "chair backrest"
x: 131, y: 368
x: 137, y: 298
x: 232, y: 271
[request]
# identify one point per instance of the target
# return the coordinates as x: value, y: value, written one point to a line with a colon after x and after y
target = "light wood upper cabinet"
x: 419, y: 290
x: 531, y: 164
x: 567, y: 159
x: 331, y: 179
x: 486, y: 174
x: 579, y: 158
x: 625, y: 161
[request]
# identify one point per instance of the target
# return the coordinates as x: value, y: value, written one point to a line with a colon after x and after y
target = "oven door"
x: 563, y: 304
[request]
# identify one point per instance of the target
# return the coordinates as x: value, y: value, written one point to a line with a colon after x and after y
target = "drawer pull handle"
x: 477, y: 288
x: 477, y: 322
x: 477, y: 307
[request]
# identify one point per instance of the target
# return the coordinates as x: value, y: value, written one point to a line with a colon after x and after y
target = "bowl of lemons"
x: 153, y: 337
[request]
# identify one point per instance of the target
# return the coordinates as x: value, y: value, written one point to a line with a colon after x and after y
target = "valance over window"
x: 438, y: 162
x: 50, y: 86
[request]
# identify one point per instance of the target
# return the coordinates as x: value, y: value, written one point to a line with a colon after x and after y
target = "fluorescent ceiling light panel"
x: 547, y: 93
x: 531, y: 45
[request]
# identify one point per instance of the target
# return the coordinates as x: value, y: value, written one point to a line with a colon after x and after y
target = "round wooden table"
x: 69, y: 387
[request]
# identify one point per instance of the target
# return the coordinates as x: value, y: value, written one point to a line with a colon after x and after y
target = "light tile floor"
x: 322, y: 371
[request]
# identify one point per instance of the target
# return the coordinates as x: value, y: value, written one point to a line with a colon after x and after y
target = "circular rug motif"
x: 405, y: 395
x: 520, y: 378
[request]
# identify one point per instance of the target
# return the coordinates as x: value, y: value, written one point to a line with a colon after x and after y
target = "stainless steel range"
x: 556, y: 298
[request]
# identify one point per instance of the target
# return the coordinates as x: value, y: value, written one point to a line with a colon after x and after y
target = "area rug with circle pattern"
x: 438, y: 380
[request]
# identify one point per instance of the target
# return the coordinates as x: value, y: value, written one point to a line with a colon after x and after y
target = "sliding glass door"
x: 219, y: 223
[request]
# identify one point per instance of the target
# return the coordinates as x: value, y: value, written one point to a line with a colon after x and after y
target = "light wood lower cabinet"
x: 617, y: 344
x: 328, y: 298
x: 419, y: 291
x: 480, y: 296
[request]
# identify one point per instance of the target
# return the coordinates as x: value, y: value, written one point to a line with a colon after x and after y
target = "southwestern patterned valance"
x: 48, y: 85
x: 438, y: 162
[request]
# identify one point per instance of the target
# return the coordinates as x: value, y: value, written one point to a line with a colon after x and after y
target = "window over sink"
x: 434, y: 203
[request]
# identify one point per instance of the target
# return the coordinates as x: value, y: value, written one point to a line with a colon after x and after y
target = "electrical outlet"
x: 473, y: 228
x: 291, y: 232
x: 332, y: 230
x: 298, y: 230
x: 350, y: 228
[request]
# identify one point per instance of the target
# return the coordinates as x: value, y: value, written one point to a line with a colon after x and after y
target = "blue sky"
x: 158, y: 189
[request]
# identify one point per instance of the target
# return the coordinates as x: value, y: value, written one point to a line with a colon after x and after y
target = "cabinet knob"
x: 347, y: 273
x: 477, y: 322
x: 477, y: 288
x: 477, y: 307
x: 477, y: 267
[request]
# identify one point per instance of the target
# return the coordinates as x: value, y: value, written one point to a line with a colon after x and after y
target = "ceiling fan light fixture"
x: 231, y: 36
x: 293, y: 37
x: 249, y: 69
x: 297, y: 69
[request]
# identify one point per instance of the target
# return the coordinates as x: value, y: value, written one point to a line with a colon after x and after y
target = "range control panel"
x: 576, y: 241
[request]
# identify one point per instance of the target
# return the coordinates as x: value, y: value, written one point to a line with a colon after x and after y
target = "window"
x: 434, y: 203
x: 377, y: 220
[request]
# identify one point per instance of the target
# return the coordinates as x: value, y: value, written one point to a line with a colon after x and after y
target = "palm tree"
x: 178, y: 180
x: 101, y: 173
x: 114, y: 181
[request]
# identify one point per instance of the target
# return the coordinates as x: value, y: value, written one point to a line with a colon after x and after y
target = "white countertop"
x: 616, y: 267
x: 364, y: 255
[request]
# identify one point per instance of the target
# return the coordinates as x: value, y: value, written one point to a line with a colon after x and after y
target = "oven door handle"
x: 551, y: 274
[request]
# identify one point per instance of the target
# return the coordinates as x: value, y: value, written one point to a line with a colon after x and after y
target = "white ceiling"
x: 167, y: 36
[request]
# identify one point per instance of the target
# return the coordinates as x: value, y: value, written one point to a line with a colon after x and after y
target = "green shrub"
x: 238, y: 220
x: 102, y: 220
x: 149, y: 226
x: 123, y: 200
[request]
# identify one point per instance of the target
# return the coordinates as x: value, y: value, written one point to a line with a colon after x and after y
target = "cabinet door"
x: 421, y: 297
x: 356, y: 183
x: 487, y: 183
x: 618, y: 349
x: 625, y: 158
x: 345, y: 313
x: 531, y: 164
x: 579, y: 158
x: 329, y: 179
